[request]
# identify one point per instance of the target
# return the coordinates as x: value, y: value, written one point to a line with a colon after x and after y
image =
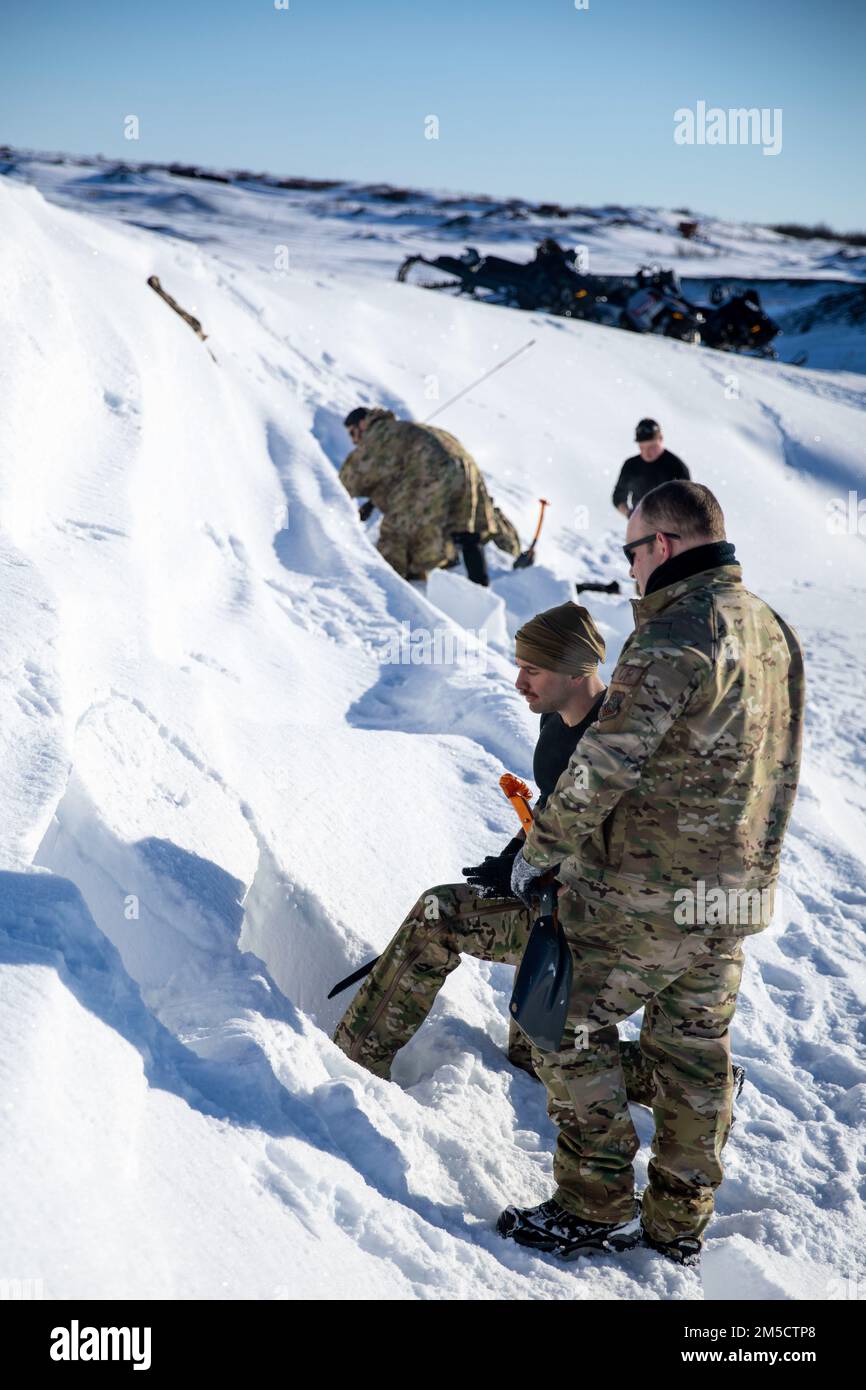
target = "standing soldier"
x: 651, y: 466
x: 668, y: 828
x: 430, y: 492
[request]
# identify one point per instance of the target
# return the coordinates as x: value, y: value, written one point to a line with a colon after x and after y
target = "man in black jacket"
x: 558, y: 653
x: 652, y: 465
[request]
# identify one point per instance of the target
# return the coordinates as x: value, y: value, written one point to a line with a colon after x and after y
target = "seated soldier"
x: 558, y: 653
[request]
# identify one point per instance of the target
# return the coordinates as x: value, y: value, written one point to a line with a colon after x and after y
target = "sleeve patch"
x: 628, y: 675
x: 612, y: 704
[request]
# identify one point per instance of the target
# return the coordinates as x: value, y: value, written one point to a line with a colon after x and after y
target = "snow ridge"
x: 220, y: 794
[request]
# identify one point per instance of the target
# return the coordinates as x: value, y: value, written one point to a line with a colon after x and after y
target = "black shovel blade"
x: 353, y: 978
x: 539, y: 1002
x: 525, y: 559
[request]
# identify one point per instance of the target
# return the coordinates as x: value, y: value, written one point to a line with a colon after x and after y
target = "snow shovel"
x: 539, y: 1000
x: 527, y: 557
x: 542, y: 988
x: 520, y: 796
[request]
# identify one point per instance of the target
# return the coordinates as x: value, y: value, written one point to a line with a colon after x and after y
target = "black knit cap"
x: 647, y: 429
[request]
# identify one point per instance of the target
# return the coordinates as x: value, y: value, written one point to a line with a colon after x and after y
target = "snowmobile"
x: 550, y: 281
x: 651, y: 302
x: 657, y: 305
x: 737, y: 323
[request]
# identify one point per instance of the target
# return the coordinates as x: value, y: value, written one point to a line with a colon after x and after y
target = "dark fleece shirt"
x: 637, y: 477
x: 556, y: 743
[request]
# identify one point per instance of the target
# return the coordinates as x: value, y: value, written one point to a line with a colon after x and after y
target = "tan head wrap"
x: 562, y: 639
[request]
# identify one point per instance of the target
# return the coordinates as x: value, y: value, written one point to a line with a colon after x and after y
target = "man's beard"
x: 541, y: 706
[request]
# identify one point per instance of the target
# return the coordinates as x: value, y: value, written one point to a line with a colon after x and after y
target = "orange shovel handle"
x: 520, y: 796
x: 544, y: 503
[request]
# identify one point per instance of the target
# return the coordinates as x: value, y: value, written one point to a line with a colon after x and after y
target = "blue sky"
x: 534, y: 98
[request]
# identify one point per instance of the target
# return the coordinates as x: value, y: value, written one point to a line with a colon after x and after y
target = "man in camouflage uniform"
x: 430, y: 492
x: 558, y: 654
x: 675, y: 801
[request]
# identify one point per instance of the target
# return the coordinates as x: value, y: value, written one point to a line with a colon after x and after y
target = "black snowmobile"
x: 737, y: 323
x: 650, y: 302
x: 656, y: 304
x: 550, y: 281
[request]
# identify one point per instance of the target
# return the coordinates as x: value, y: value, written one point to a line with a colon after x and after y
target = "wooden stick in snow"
x: 194, y: 323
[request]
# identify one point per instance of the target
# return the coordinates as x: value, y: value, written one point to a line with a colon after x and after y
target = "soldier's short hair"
x: 355, y: 416
x: 689, y: 508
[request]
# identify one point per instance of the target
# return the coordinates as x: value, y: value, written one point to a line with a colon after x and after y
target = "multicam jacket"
x: 418, y: 474
x: 686, y: 783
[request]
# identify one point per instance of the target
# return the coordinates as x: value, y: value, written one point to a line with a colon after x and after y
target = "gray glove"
x: 523, y: 875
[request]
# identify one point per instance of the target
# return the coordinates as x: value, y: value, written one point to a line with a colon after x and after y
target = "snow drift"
x: 220, y: 793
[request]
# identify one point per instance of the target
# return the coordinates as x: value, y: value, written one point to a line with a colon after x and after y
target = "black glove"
x: 365, y: 511
x: 525, y: 880
x: 492, y: 878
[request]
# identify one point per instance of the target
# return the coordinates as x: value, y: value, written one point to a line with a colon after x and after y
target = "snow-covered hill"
x: 219, y: 794
x: 812, y: 287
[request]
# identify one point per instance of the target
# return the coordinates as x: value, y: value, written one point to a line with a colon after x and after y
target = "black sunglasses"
x: 645, y: 540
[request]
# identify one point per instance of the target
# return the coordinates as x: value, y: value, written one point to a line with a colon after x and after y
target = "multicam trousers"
x: 687, y: 984
x: 445, y: 922
x: 414, y: 551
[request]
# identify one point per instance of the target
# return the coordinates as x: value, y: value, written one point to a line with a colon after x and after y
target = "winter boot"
x: 550, y: 1227
x: 683, y: 1250
x: 739, y: 1075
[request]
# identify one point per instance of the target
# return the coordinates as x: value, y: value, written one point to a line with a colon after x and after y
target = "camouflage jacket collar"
x: 719, y: 577
x: 377, y: 414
